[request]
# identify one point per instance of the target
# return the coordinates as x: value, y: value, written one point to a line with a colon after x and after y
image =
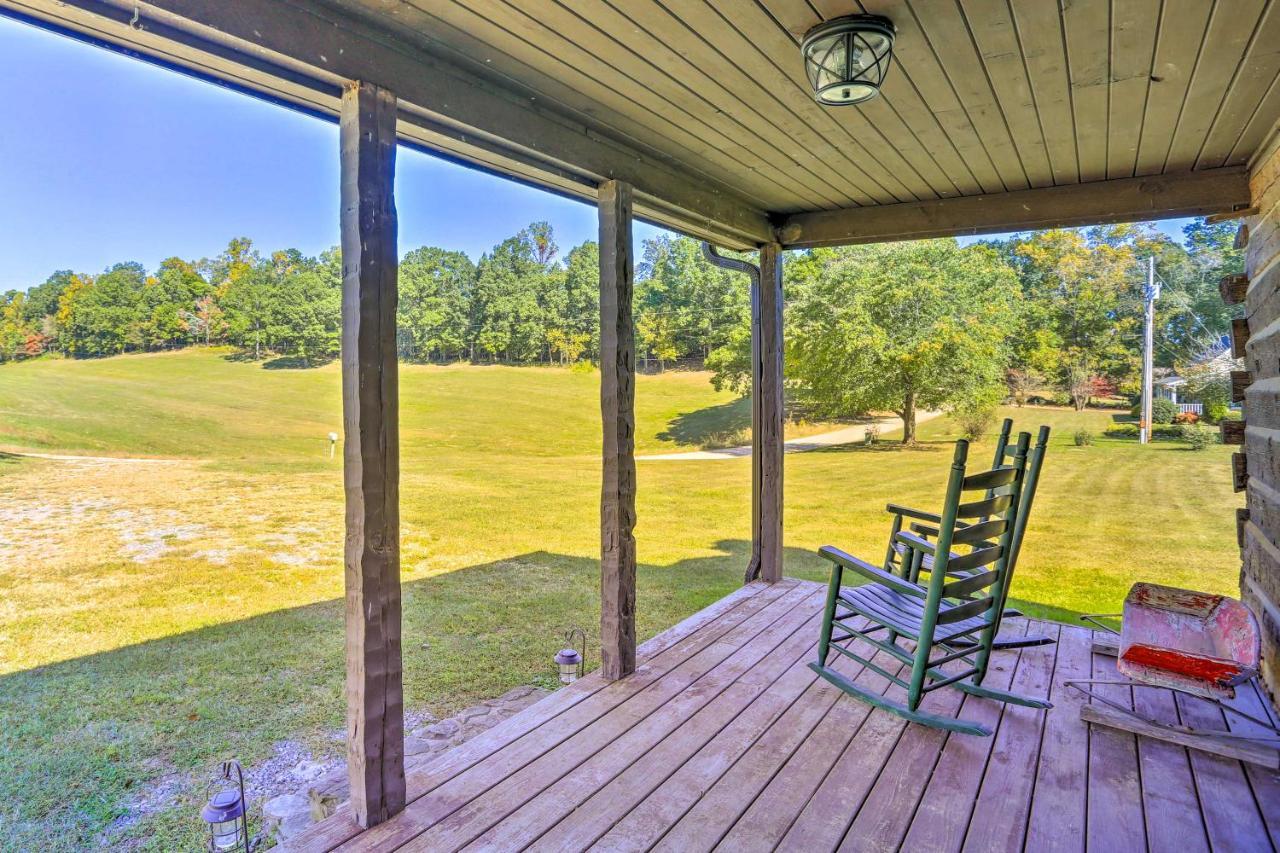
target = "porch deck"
x: 724, y: 738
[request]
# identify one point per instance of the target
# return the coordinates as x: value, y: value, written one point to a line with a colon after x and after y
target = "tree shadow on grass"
x: 713, y: 426
x: 93, y: 740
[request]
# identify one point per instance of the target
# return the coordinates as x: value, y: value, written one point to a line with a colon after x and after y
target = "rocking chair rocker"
x: 940, y: 617
x: 925, y: 524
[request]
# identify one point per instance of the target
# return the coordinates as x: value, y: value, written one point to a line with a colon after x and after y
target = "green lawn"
x: 159, y: 616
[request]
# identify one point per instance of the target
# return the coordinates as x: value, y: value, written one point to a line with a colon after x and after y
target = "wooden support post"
x: 371, y: 454
x: 1233, y: 288
x: 1239, y: 337
x: 617, y: 410
x: 1242, y: 236
x: 771, y: 413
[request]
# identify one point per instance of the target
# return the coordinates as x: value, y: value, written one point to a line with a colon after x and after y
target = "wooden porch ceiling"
x: 704, y: 108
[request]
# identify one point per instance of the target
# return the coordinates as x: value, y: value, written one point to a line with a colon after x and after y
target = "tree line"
x: 897, y: 327
x: 521, y: 303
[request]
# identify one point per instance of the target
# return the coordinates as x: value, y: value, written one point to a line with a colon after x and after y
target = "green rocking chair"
x: 925, y: 524
x: 952, y: 619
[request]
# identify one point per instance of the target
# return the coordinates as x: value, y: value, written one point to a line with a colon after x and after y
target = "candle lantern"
x: 225, y: 813
x: 570, y: 663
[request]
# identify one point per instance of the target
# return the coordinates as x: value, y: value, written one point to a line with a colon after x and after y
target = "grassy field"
x: 182, y: 603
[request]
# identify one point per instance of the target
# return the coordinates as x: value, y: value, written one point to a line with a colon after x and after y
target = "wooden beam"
x: 300, y: 52
x: 771, y: 413
x: 1121, y: 200
x: 1240, y: 382
x: 1239, y: 337
x: 371, y: 454
x: 1232, y: 432
x: 617, y: 411
x: 1239, y: 472
x: 1233, y: 288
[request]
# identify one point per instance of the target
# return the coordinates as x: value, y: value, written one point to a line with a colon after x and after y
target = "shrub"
x: 1198, y: 437
x: 1121, y: 431
x: 1186, y: 418
x: 1159, y: 432
x: 1215, y: 412
x: 1083, y: 438
x: 975, y: 423
x: 1163, y: 411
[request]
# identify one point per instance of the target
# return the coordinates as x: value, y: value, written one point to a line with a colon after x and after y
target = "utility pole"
x: 1150, y: 294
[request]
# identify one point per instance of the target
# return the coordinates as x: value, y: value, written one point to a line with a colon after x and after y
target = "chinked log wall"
x: 1260, y: 575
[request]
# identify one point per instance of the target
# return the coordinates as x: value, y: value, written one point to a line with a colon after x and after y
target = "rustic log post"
x: 1240, y: 382
x: 617, y: 411
x: 371, y: 454
x: 771, y: 414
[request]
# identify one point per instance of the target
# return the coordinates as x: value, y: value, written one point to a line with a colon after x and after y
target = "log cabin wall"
x: 1258, y: 473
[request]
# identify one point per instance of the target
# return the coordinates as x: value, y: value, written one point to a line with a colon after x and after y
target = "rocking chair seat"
x: 901, y: 612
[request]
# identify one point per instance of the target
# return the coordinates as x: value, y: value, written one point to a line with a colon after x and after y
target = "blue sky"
x: 107, y: 159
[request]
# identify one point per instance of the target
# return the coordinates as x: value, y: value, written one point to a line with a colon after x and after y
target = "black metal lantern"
x: 846, y: 59
x: 570, y: 663
x: 225, y: 812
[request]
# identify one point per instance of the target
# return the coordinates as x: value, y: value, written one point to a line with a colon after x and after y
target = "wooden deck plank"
x: 1265, y: 783
x: 1061, y: 782
x: 1169, y: 799
x: 1231, y: 814
x: 943, y: 813
x: 645, y: 824
x: 341, y: 827
x: 725, y: 739
x: 534, y: 741
x: 428, y: 812
x: 713, y: 815
x: 608, y: 804
x: 890, y: 808
x: 1115, y: 819
x: 1003, y: 803
x: 765, y: 822
x: 765, y: 659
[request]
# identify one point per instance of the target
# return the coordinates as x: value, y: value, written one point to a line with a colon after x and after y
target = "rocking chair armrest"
x: 871, y: 572
x: 908, y: 512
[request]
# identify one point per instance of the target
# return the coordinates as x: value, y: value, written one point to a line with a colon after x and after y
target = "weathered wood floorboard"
x: 724, y: 739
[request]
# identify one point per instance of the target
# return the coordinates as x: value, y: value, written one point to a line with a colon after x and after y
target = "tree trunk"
x: 909, y: 419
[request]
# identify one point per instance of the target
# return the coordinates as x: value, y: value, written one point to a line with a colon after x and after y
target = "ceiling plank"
x: 948, y: 33
x: 1178, y: 44
x: 900, y: 110
x: 1087, y: 24
x: 1041, y: 41
x: 518, y: 39
x: 995, y: 38
x: 456, y: 45
x: 1231, y: 26
x: 1133, y: 44
x: 1257, y: 75
x: 297, y: 55
x: 916, y: 62
x: 1121, y: 200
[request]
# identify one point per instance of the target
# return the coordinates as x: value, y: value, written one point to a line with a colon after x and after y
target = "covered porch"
x: 724, y: 738
x: 997, y: 117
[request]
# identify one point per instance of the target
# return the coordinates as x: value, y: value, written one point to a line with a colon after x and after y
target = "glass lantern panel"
x: 226, y: 835
x: 568, y: 673
x: 827, y: 60
x: 868, y: 48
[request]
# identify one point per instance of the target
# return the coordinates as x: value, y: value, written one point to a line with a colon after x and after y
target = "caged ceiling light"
x: 846, y: 59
